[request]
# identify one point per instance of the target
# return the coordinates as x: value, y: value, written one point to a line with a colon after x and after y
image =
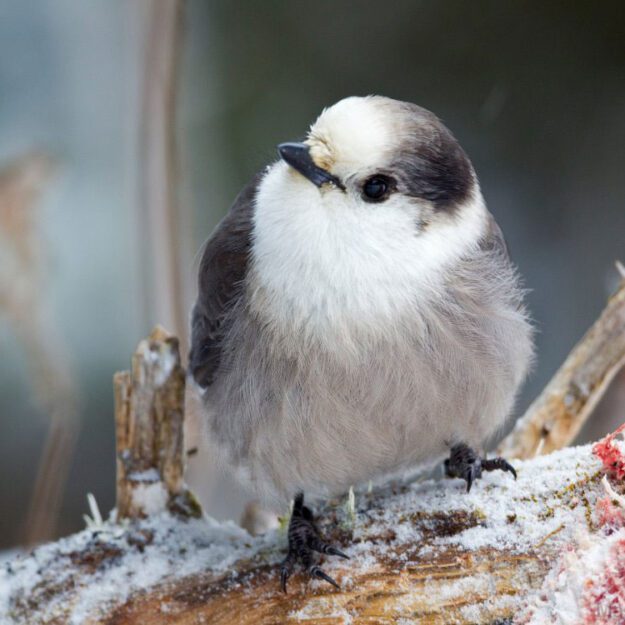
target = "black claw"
x: 333, y: 551
x: 315, y: 571
x: 316, y: 544
x: 304, y: 540
x: 284, y: 576
x: 286, y: 568
x: 463, y: 462
x: 469, y: 480
x: 472, y: 472
x: 493, y: 464
x: 508, y: 467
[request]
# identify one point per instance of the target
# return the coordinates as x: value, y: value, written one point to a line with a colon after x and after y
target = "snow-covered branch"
x: 427, y: 553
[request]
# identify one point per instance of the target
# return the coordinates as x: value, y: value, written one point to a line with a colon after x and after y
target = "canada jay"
x: 357, y: 315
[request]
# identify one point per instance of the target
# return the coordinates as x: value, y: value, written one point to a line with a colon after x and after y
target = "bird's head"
x: 378, y: 154
x: 367, y: 214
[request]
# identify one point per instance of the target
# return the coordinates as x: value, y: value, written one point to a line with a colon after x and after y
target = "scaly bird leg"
x: 304, y: 540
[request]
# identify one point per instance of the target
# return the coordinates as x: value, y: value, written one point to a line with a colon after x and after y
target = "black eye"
x: 377, y: 188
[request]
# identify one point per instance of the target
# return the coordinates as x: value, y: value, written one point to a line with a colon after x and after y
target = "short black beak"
x: 297, y: 155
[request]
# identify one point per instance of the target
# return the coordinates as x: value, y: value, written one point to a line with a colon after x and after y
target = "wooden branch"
x: 555, y: 418
x: 149, y: 425
x: 428, y: 553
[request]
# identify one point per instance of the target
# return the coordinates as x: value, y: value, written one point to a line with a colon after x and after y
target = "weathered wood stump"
x: 149, y: 426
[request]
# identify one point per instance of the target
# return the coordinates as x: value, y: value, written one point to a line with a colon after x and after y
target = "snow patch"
x: 167, y: 360
x: 149, y: 475
x: 553, y: 500
x: 580, y: 589
x: 136, y: 556
x: 319, y: 608
x: 151, y: 498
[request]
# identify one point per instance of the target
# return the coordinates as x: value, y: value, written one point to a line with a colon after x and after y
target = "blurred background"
x: 127, y: 128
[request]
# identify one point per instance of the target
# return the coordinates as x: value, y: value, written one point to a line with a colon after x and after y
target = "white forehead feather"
x: 354, y: 133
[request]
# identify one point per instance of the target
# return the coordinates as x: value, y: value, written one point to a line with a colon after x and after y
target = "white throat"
x: 324, y: 264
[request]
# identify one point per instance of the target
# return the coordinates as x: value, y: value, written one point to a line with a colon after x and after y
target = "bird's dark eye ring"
x: 377, y: 188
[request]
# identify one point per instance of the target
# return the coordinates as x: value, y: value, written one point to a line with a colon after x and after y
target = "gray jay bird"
x: 357, y: 315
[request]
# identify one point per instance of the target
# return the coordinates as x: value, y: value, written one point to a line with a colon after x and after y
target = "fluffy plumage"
x: 337, y: 341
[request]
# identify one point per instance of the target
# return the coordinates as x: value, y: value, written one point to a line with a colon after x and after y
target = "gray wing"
x: 221, y: 279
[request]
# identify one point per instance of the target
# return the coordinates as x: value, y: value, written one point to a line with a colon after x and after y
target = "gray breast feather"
x: 222, y: 274
x: 291, y: 417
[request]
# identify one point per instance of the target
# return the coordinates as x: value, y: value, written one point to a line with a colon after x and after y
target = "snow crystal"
x: 566, y: 596
x: 135, y: 556
x: 151, y: 498
x: 323, y: 608
x: 160, y: 357
x: 482, y: 612
x: 167, y: 360
x: 149, y: 475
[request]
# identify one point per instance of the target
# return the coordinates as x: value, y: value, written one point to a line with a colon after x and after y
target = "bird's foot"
x: 465, y: 463
x: 304, y: 540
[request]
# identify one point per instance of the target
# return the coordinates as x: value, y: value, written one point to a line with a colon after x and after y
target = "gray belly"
x: 304, y: 419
